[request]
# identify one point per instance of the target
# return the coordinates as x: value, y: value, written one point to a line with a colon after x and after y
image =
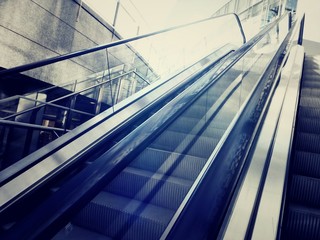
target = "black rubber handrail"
x: 52, y: 60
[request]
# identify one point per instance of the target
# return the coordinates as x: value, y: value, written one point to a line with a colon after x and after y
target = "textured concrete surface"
x: 33, y: 30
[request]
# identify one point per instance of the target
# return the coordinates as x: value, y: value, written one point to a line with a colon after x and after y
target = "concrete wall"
x: 311, y: 8
x: 311, y: 36
x: 32, y: 30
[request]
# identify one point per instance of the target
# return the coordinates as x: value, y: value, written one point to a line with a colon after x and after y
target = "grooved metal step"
x: 312, y: 71
x: 169, y: 163
x: 308, y: 125
x: 311, y: 92
x: 308, y: 142
x: 192, y: 122
x: 249, y: 81
x: 195, y: 127
x: 123, y: 218
x: 194, y: 145
x: 307, y: 164
x: 207, y: 99
x: 74, y: 232
x: 196, y: 111
x: 305, y: 191
x: 301, y: 224
x: 311, y: 83
x: 311, y: 75
x: 309, y: 112
x: 308, y: 101
x: 149, y: 187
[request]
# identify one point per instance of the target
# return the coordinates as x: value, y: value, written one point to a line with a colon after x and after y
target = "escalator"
x: 147, y: 193
x: 104, y: 80
x: 148, y: 184
x: 302, y: 216
x: 140, y: 201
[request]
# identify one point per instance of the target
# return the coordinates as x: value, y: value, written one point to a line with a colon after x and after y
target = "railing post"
x: 99, y: 95
x: 300, y: 39
x: 290, y: 20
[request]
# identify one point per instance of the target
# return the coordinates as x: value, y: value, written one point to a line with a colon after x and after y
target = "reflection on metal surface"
x: 243, y: 209
x: 266, y: 224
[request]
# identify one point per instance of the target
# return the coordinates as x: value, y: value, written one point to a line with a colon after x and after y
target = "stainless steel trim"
x: 29, y: 125
x: 241, y: 213
x: 243, y: 208
x: 267, y: 219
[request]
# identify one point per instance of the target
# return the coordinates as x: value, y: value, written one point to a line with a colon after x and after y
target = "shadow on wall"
x: 311, y: 47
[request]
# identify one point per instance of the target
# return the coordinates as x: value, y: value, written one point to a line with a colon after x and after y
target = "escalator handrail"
x: 60, y: 58
x: 267, y: 218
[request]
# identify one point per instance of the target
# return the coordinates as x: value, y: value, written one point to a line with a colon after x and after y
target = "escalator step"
x: 310, y: 75
x: 149, y: 187
x: 220, y: 86
x: 226, y: 115
x: 314, y: 59
x: 74, y: 232
x: 185, y: 143
x: 310, y: 83
x: 207, y: 99
x: 196, y: 111
x: 302, y: 224
x: 195, y: 127
x: 305, y: 191
x: 308, y: 142
x: 307, y: 164
x: 189, y: 124
x: 123, y: 218
x: 308, y: 101
x: 311, y: 92
x: 310, y: 66
x: 213, y: 132
x: 311, y: 70
x: 309, y: 112
x: 168, y: 163
x: 308, y: 125
x: 249, y: 81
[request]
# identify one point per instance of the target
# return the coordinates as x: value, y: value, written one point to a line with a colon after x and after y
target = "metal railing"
x: 52, y: 60
x: 72, y: 94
